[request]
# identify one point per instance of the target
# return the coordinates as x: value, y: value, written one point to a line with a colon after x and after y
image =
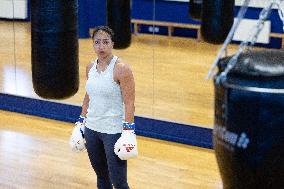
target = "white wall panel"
x: 253, y: 3
x: 20, y: 10
x: 245, y: 28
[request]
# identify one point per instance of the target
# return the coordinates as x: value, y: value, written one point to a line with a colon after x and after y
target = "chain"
x: 241, y: 14
x: 264, y: 14
x: 247, y: 44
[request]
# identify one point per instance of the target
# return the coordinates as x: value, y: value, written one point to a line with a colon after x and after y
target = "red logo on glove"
x: 129, y: 147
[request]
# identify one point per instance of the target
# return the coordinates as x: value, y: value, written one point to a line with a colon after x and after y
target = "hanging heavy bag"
x: 55, y: 70
x: 217, y: 20
x: 194, y: 9
x: 248, y: 129
x: 118, y: 19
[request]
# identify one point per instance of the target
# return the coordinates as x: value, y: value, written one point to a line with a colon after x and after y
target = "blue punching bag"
x: 55, y: 69
x: 217, y: 20
x: 118, y: 19
x: 249, y: 121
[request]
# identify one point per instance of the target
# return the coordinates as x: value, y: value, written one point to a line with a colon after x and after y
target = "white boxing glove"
x: 126, y: 146
x: 77, y: 141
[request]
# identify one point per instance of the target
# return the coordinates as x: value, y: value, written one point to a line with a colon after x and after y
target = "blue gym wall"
x: 92, y: 13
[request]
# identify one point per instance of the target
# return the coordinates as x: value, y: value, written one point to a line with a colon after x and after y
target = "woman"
x: 108, y: 102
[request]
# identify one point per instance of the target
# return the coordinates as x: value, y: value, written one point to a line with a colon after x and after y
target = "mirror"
x: 169, y: 64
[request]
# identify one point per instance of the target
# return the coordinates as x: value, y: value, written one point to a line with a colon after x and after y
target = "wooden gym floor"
x: 35, y: 154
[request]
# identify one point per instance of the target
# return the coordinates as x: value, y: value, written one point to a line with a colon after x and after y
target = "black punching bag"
x: 195, y: 8
x: 118, y: 19
x: 249, y: 122
x: 217, y: 20
x: 55, y: 69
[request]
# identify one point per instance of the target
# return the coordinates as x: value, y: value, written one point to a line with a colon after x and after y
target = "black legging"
x: 110, y: 170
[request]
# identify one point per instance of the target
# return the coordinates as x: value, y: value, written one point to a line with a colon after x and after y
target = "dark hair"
x: 106, y: 29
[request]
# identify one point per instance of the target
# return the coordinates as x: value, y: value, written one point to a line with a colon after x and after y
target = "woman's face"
x: 103, y: 44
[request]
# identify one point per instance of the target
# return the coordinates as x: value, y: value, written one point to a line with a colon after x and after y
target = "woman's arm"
x: 124, y: 75
x: 85, y: 105
x: 86, y: 100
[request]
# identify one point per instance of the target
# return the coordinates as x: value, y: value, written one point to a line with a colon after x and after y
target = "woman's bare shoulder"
x: 89, y: 66
x: 122, y: 70
x: 122, y: 66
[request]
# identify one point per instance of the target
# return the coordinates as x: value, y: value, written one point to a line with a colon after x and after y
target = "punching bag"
x: 118, y: 19
x: 249, y: 122
x: 217, y: 19
x: 195, y: 8
x: 55, y: 70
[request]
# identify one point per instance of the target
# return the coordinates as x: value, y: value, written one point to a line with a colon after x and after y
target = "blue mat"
x: 170, y: 131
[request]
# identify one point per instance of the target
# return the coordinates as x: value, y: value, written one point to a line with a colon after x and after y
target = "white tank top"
x: 106, y: 108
